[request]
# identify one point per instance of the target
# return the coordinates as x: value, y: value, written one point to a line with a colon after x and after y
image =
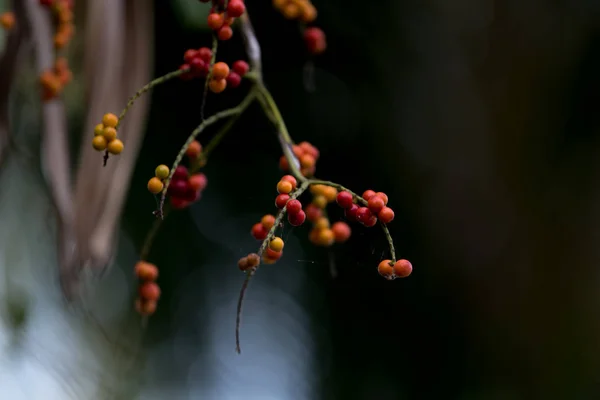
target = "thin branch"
x: 252, y: 46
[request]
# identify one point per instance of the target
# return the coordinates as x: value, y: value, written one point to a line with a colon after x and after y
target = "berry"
x: 363, y: 214
x: 284, y: 187
x: 281, y: 200
x: 384, y: 197
x: 370, y: 222
x: 189, y: 55
x: 155, y: 186
x: 307, y: 161
x: 368, y: 194
x: 259, y: 232
x: 344, y: 199
x: 115, y: 147
x: 308, y: 12
x: 7, y: 20
x: 109, y: 134
x: 290, y: 179
x: 322, y: 223
x: 386, y: 215
x: 194, y: 149
x: 149, y: 291
x: 162, y: 172
x: 205, y: 54
x: 225, y: 32
x: 186, y: 75
x: 178, y: 203
x: 315, y: 41
x: 180, y: 173
x: 350, y: 213
x: 267, y: 221
x: 98, y: 130
x: 297, y: 219
x: 291, y: 11
x: 376, y: 204
x: 235, y: 8
x: 313, y: 213
x: 198, y: 182
x: 325, y: 237
x: 177, y: 188
x: 330, y: 193
x: 276, y: 244
x: 253, y: 260
x: 267, y: 260
x: 294, y: 207
x: 217, y: 85
x: 320, y: 201
x: 146, y: 271
x: 220, y: 70
x: 110, y: 120
x: 99, y: 143
x: 243, y: 264
x: 240, y: 67
x: 341, y: 231
x: 402, y: 268
x: 145, y: 307
x: 272, y: 254
x: 215, y: 21
x: 385, y: 269
x: 233, y: 80
x: 198, y: 66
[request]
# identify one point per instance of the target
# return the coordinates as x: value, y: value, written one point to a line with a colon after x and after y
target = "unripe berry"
x: 155, y: 185
x: 149, y: 291
x: 243, y: 264
x: 344, y: 199
x: 350, y: 213
x: 341, y: 231
x: 115, y: 147
x: 385, y: 269
x: 308, y: 12
x: 235, y: 8
x: 322, y: 223
x: 146, y: 271
x: 7, y: 20
x: 215, y: 21
x: 267, y: 260
x: 220, y: 70
x: 240, y: 67
x: 233, y: 80
x: 259, y: 232
x: 180, y: 173
x: 109, y: 134
x: 294, y: 206
x: 284, y: 187
x: 307, y: 161
x: 162, y: 172
x: 402, y: 268
x: 217, y: 85
x: 99, y: 143
x: 386, y: 215
x: 225, y: 32
x: 325, y: 237
x: 110, y: 120
x: 320, y: 201
x: 267, y: 221
x: 290, y: 179
x: 98, y: 130
x: 330, y: 193
x: 297, y: 219
x: 376, y: 204
x: 291, y: 11
x: 281, y: 200
x: 194, y: 149
x: 276, y: 244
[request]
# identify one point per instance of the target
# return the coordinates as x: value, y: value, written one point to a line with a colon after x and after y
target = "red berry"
x: 259, y: 231
x: 315, y: 40
x: 215, y: 21
x: 297, y: 219
x: 189, y: 55
x: 350, y: 213
x: 225, y: 32
x: 149, y: 291
x: 240, y: 67
x: 205, y: 54
x: 272, y: 254
x: 290, y: 179
x: 235, y: 8
x: 386, y: 215
x: 198, y: 181
x: 383, y: 196
x: 180, y: 173
x: 313, y: 213
x: 178, y: 188
x: 178, y: 203
x: 281, y: 200
x: 197, y: 66
x: 344, y: 199
x: 376, y: 204
x: 402, y: 268
x: 190, y: 194
x: 363, y: 214
x: 368, y: 194
x: 370, y: 222
x: 233, y: 80
x: 341, y: 231
x: 294, y: 206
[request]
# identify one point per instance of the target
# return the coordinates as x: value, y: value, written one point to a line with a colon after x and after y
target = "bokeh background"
x: 480, y: 121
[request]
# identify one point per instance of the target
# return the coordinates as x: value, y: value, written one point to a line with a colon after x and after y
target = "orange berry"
x: 7, y: 20
x: 278, y: 4
x: 341, y: 231
x: 99, y: 143
x: 322, y: 223
x: 220, y: 70
x: 109, y: 134
x: 146, y: 308
x: 146, y: 271
x: 383, y: 196
x: 385, y: 269
x: 65, y: 15
x: 272, y: 254
x: 325, y: 237
x: 284, y: 187
x: 60, y: 41
x: 368, y: 194
x: 215, y: 21
x: 330, y: 193
x: 155, y: 185
x: 283, y: 164
x: 307, y: 161
x: 162, y: 172
x: 276, y: 244
x: 217, y: 85
x: 243, y: 264
x: 61, y: 64
x: 320, y: 201
x: 386, y: 215
x: 317, y: 189
x: 110, y: 120
x: 267, y: 221
x: 308, y: 12
x: 291, y: 180
x: 225, y: 32
x: 194, y: 149
x: 149, y: 291
x: 115, y: 147
x: 98, y: 130
x: 402, y: 268
x: 306, y: 147
x: 291, y: 11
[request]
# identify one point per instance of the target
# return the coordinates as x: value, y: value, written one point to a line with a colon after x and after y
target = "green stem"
x: 199, y: 129
x: 261, y: 250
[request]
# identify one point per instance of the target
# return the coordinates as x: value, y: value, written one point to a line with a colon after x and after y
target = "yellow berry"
x: 276, y: 244
x: 155, y: 186
x: 110, y: 120
x: 322, y: 223
x: 115, y: 147
x: 320, y: 201
x: 99, y: 143
x: 98, y: 130
x: 162, y: 171
x: 109, y: 134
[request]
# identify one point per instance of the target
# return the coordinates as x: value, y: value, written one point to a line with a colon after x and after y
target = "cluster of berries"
x: 307, y: 156
x: 62, y: 11
x: 7, y: 20
x: 197, y: 65
x: 274, y: 250
x: 54, y: 79
x: 392, y: 270
x: 185, y: 188
x: 323, y: 233
x: 105, y: 135
x: 149, y: 291
x: 301, y: 10
x: 252, y: 260
x: 368, y: 216
x: 221, y: 17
